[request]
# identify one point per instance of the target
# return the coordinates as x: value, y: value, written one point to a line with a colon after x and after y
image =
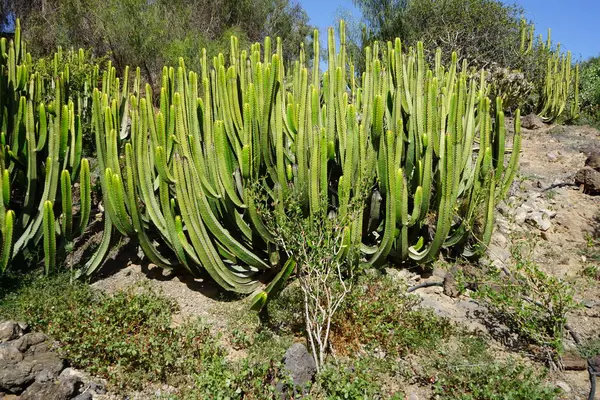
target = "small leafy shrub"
x: 378, y: 314
x: 589, y: 91
x: 132, y: 328
x: 462, y: 369
x: 137, y: 342
x: 496, y: 380
x: 286, y: 312
x: 350, y: 380
x: 531, y: 303
x: 589, y: 348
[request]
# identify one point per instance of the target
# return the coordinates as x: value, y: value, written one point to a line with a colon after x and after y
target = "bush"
x: 531, y: 304
x: 589, y: 90
x: 379, y: 315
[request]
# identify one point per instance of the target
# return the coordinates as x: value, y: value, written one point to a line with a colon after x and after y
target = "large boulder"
x: 589, y: 178
x: 532, y: 121
x: 10, y: 330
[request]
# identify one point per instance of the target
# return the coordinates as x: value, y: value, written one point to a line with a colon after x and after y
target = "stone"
x: 532, y: 121
x: 589, y: 178
x: 9, y: 330
x: 10, y: 354
x: 299, y: 364
x: 28, y: 340
x: 593, y: 161
x: 520, y: 216
x: 539, y: 220
x: 564, y: 386
x: 63, y: 389
x: 14, y: 378
x: 553, y: 156
x: 572, y: 362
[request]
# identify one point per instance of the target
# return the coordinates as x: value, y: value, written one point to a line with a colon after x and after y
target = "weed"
x: 463, y: 370
x: 592, y: 271
x: 378, y: 314
x: 529, y: 302
x: 589, y: 348
x: 496, y: 380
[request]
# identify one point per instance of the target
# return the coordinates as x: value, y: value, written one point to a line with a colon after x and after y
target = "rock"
x: 539, y: 220
x: 299, y: 364
x: 14, y: 378
x: 450, y: 286
x: 593, y: 161
x: 63, y: 389
x: 532, y: 121
x: 412, y: 396
x: 553, y: 156
x: 572, y: 362
x: 10, y: 354
x: 594, y: 363
x: 590, y: 179
x: 88, y: 386
x: 564, y: 386
x: 28, y: 340
x: 10, y: 330
x: 520, y: 216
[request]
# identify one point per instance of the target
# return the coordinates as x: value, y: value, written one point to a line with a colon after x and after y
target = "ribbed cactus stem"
x: 49, y: 238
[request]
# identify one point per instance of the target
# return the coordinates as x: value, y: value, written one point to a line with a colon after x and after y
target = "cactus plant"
x: 39, y: 141
x: 422, y: 141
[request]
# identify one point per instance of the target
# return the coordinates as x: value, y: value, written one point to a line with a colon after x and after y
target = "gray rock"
x: 28, y: 340
x: 300, y: 364
x: 14, y: 378
x: 532, y: 121
x: 520, y: 216
x: 539, y: 220
x: 45, y: 361
x: 63, y: 389
x: 10, y: 354
x: 88, y: 385
x: 9, y: 330
x: 589, y: 178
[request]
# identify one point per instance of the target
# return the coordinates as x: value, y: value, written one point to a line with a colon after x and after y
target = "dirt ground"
x: 550, y: 158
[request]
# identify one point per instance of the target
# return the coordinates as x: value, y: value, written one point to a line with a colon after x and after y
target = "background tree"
x: 152, y: 33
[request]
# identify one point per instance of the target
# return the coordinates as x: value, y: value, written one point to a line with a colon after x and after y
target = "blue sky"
x: 575, y: 23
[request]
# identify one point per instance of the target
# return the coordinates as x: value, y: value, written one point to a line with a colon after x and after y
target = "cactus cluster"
x: 40, y: 157
x: 180, y: 177
x: 559, y: 90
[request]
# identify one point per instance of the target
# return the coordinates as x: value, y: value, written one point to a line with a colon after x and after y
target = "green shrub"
x: 529, y: 302
x: 589, y: 90
x: 133, y: 329
x: 496, y: 380
x: 379, y: 315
